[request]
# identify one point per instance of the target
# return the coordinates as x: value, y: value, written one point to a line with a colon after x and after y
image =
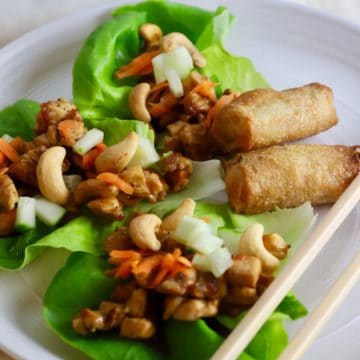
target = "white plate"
x: 291, y: 45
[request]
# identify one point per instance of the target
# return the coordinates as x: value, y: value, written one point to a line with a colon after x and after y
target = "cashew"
x: 8, y: 193
x: 49, y: 175
x: 151, y: 34
x: 276, y: 245
x: 93, y: 189
x: 115, y: 158
x: 142, y: 230
x: 7, y: 222
x: 137, y: 102
x: 251, y: 243
x: 175, y: 39
x: 171, y: 222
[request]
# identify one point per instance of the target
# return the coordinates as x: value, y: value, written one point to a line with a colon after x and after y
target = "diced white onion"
x: 92, y: 138
x: 179, y: 60
x: 189, y: 228
x: 205, y: 243
x: 196, y: 234
x: 231, y: 239
x: 158, y: 64
x: 145, y: 154
x: 25, y: 214
x: 72, y: 181
x: 48, y: 212
x: 8, y: 138
x: 219, y: 261
x: 175, y: 83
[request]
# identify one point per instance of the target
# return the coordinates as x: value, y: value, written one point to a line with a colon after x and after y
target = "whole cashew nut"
x: 251, y: 243
x: 142, y: 231
x: 176, y: 39
x: 49, y: 175
x: 151, y: 34
x: 137, y: 102
x: 115, y: 158
x: 172, y: 221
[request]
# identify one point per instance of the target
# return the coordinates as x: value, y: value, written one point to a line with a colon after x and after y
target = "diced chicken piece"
x: 109, y: 208
x: 209, y: 287
x: 114, y: 314
x: 179, y: 283
x: 70, y: 131
x: 118, y: 240
x: 241, y: 295
x: 171, y: 303
x: 93, y: 320
x: 25, y: 169
x: 194, y: 309
x: 137, y: 328
x: 245, y: 271
x: 137, y: 303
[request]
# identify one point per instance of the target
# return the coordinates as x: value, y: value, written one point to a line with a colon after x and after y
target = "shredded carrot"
x: 116, y: 180
x: 126, y: 268
x: 148, y: 264
x: 167, y: 102
x: 117, y: 256
x: 184, y: 261
x: 9, y: 151
x: 167, y: 264
x: 206, y: 89
x: 178, y: 268
x: 88, y: 159
x: 160, y: 86
x: 224, y: 100
x: 141, y: 65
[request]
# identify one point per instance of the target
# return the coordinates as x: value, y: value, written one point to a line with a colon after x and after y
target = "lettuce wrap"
x: 82, y: 283
x: 86, y: 232
x: 116, y: 42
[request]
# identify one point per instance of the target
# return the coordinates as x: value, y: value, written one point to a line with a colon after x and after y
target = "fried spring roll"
x: 264, y: 117
x: 287, y: 176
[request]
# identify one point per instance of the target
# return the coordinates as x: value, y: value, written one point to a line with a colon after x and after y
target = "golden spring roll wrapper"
x: 287, y: 176
x: 264, y: 117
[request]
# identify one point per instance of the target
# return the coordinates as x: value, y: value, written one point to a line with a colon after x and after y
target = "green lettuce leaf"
x: 85, y: 233
x: 270, y: 340
x: 116, y: 42
x: 74, y: 287
x: 232, y: 72
x: 195, y: 340
x: 82, y: 283
x: 19, y: 119
x: 115, y: 129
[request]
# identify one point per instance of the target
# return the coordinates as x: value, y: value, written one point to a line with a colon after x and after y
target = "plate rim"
x: 17, y: 46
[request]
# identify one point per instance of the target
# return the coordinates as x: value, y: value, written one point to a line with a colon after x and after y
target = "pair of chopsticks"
x: 240, y: 337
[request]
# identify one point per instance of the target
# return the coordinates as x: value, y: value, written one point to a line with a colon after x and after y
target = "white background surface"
x: 19, y: 16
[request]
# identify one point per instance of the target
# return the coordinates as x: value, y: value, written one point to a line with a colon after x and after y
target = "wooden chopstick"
x: 239, y: 338
x: 307, y: 334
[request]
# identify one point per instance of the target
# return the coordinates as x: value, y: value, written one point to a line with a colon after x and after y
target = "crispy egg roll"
x: 264, y: 117
x: 289, y: 175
